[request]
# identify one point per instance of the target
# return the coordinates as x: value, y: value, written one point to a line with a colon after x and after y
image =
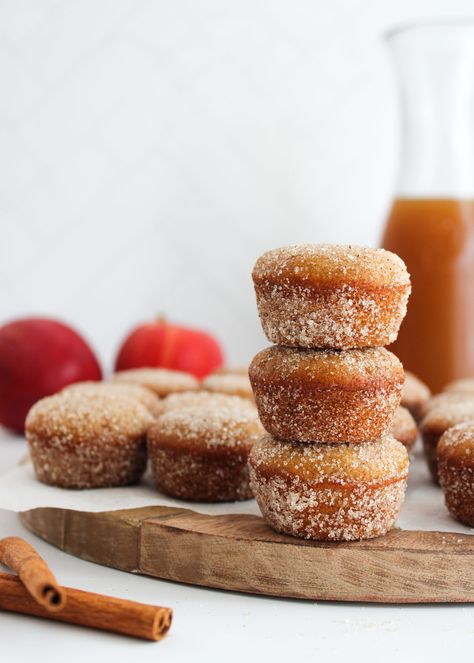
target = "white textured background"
x: 150, y: 150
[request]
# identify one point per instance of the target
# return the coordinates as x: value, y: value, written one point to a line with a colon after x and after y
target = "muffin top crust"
x: 354, y: 369
x: 214, y: 426
x: 447, y: 414
x: 457, y: 445
x: 142, y: 394
x: 414, y: 390
x: 87, y: 418
x: 371, y: 462
x: 228, y: 383
x: 463, y: 386
x: 330, y: 265
x: 162, y: 381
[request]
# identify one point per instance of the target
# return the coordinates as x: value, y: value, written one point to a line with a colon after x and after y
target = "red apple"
x: 37, y: 358
x: 163, y: 345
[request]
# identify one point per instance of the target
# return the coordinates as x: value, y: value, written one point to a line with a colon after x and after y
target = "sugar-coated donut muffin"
x: 403, y: 428
x: 455, y: 453
x: 231, y: 384
x: 204, y: 399
x: 463, y: 386
x: 338, y: 492
x: 329, y: 296
x: 141, y: 394
x: 326, y: 396
x: 200, y: 453
x: 415, y: 395
x: 446, y: 397
x: 80, y: 440
x: 162, y: 381
x: 437, y: 421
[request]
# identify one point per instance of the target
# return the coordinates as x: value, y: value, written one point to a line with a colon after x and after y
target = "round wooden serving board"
x: 241, y: 553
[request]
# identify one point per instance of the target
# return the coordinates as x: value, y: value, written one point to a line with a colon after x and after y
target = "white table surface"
x: 213, y: 626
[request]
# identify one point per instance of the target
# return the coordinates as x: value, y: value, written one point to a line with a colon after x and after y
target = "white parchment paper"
x: 423, y: 509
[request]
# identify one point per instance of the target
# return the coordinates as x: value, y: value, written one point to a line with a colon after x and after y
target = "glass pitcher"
x: 431, y: 224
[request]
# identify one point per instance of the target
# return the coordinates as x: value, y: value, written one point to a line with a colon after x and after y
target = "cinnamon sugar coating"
x: 329, y: 296
x: 141, y: 394
x: 455, y: 454
x: 204, y: 399
x: 445, y: 398
x: 463, y: 386
x: 200, y: 453
x: 403, y: 428
x: 415, y: 395
x: 337, y: 492
x: 326, y: 396
x: 162, y: 381
x: 80, y: 440
x: 232, y: 384
x: 437, y: 421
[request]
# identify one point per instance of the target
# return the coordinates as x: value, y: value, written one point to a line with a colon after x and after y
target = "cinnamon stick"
x: 88, y: 609
x: 33, y: 571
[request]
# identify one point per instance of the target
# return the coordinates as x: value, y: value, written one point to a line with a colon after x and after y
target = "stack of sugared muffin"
x: 327, y: 391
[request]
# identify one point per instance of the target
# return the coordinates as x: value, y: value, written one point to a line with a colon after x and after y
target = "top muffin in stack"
x: 328, y: 382
x: 329, y: 296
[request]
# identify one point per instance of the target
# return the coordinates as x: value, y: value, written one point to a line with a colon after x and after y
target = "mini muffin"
x: 438, y: 420
x: 404, y: 428
x: 326, y: 396
x: 231, y: 384
x: 162, y: 381
x: 446, y: 397
x: 80, y: 440
x: 463, y: 386
x: 455, y: 453
x: 141, y: 394
x: 415, y: 395
x: 200, y: 453
x: 204, y: 399
x: 329, y: 296
x: 339, y: 492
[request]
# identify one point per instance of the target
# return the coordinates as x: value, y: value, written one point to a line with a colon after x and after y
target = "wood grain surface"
x: 241, y: 553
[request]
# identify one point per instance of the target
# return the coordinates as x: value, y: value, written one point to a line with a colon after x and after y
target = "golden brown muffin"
x: 200, y: 453
x: 438, y: 420
x: 444, y: 398
x: 339, y: 492
x: 463, y: 386
x: 162, y: 381
x: 231, y: 384
x: 404, y: 428
x: 80, y: 440
x: 203, y: 399
x: 141, y: 394
x: 455, y: 453
x: 415, y: 395
x: 326, y: 396
x: 329, y: 296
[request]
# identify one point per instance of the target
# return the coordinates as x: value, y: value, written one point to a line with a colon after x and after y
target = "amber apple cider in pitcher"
x: 435, y: 237
x: 431, y: 224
